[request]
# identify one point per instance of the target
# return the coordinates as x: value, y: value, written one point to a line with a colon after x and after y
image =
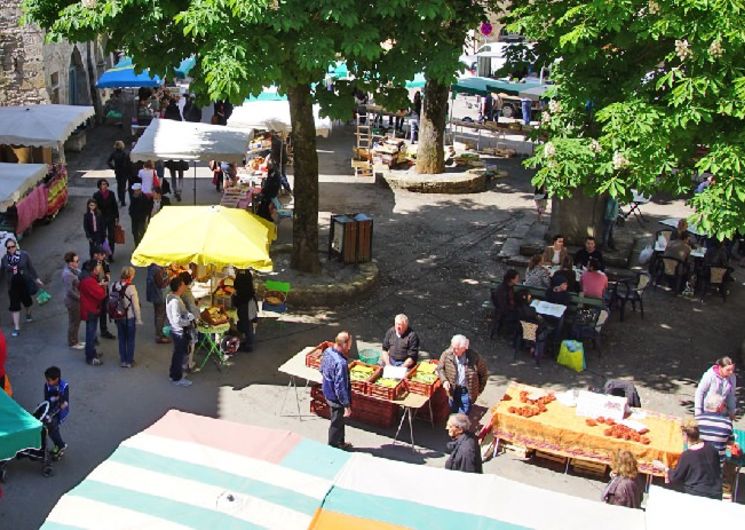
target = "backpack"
x: 116, y: 307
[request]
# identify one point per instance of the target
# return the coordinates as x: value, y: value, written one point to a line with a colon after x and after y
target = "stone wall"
x: 22, y: 77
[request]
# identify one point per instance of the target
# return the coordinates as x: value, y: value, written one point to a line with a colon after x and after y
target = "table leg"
x: 400, y: 424
x: 648, y: 483
x: 737, y: 483
x: 284, y: 400
x: 411, y: 432
x: 431, y: 412
x: 297, y: 399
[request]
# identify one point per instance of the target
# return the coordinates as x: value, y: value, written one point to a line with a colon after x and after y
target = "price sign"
x: 592, y: 405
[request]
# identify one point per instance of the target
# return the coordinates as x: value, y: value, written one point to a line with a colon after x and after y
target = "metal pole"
x: 195, y: 183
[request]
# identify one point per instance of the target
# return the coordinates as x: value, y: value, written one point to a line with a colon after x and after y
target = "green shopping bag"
x: 572, y: 355
x: 43, y: 297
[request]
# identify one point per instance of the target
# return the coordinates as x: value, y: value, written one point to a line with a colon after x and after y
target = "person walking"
x: 157, y: 279
x: 121, y: 164
x: 337, y: 387
x: 465, y: 453
x: 104, y: 278
x: 71, y: 282
x: 92, y: 295
x: 93, y: 226
x: 181, y: 322
x: 124, y: 294
x: 463, y: 374
x: 140, y: 207
x: 23, y: 282
x: 148, y: 177
x: 109, y: 212
x: 416, y: 112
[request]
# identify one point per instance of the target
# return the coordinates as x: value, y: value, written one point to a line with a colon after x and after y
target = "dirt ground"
x: 437, y: 260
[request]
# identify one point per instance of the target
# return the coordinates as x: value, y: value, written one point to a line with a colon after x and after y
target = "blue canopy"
x: 268, y: 94
x: 418, y: 82
x: 123, y: 76
x: 185, y: 67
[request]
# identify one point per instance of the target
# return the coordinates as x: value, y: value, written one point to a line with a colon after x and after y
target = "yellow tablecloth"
x: 560, y: 431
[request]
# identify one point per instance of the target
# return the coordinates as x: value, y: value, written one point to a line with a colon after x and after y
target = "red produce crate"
x: 321, y: 408
x: 363, y: 387
x: 422, y: 389
x: 440, y: 407
x: 313, y: 358
x: 387, y: 393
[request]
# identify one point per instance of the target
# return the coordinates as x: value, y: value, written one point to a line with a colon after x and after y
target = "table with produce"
x: 537, y: 419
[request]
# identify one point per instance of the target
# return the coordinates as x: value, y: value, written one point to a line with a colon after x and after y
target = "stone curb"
x: 473, y: 181
x: 330, y: 294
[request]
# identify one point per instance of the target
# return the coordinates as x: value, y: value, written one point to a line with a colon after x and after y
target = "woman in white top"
x: 148, y: 177
x: 555, y: 253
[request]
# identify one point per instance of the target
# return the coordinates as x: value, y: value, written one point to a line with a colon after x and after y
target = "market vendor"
x: 463, y: 374
x: 401, y: 344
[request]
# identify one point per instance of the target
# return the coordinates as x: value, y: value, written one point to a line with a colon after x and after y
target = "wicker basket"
x: 416, y: 387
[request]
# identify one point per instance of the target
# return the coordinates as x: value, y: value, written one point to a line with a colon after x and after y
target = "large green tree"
x: 244, y: 45
x: 648, y: 93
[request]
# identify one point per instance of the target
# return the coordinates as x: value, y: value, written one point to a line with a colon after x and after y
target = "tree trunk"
x: 577, y: 217
x: 305, y: 214
x: 430, y: 157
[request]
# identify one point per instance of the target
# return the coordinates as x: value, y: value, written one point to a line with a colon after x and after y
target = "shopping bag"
x: 106, y: 247
x: 119, y: 235
x: 7, y: 386
x: 43, y: 297
x: 572, y: 355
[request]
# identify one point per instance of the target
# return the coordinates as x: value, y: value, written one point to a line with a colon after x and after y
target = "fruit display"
x: 533, y: 407
x: 618, y: 431
x: 225, y: 289
x: 423, y: 379
x: 361, y: 372
x: 427, y: 379
x: 387, y: 382
x: 214, y: 316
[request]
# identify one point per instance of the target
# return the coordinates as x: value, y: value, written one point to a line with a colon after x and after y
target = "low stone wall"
x: 473, y: 181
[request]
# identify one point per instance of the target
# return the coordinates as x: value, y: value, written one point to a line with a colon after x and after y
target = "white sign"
x: 394, y: 372
x: 592, y: 405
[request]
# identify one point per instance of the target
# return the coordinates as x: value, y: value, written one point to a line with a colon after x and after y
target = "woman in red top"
x: 92, y: 294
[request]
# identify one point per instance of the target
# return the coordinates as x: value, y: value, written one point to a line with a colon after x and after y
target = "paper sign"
x: 547, y: 308
x: 394, y: 372
x: 592, y: 405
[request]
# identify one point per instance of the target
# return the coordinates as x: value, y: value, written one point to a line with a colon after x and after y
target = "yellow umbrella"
x: 206, y: 235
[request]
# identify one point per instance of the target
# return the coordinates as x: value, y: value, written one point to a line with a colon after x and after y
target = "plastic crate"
x: 391, y: 393
x: 320, y: 408
x: 362, y: 387
x: 313, y: 358
x: 415, y: 387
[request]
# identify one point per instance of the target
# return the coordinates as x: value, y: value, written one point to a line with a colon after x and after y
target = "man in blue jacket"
x: 337, y: 388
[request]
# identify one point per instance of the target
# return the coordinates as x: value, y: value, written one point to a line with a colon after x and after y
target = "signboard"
x: 592, y: 405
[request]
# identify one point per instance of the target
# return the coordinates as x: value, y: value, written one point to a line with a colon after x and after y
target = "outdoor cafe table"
x: 561, y: 432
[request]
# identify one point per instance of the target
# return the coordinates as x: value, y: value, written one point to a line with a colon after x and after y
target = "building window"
x: 54, y: 87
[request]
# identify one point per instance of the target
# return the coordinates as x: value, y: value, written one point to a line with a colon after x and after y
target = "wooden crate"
x: 422, y: 389
x: 519, y: 451
x: 313, y: 358
x: 588, y: 467
x: 550, y: 457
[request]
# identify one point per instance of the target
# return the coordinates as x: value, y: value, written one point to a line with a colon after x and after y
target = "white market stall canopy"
x: 273, y: 116
x: 184, y: 140
x: 16, y: 180
x: 40, y: 125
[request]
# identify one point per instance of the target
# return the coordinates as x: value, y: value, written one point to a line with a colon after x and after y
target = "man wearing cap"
x: 140, y: 208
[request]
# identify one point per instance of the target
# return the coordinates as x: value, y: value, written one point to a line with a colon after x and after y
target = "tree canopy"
x: 243, y: 45
x: 648, y: 93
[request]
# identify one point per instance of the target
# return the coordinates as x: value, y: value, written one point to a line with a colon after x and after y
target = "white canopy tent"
x: 183, y: 140
x: 40, y: 125
x: 273, y: 116
x: 16, y: 180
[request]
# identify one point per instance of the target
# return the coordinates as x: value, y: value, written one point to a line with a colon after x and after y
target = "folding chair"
x: 632, y: 292
x: 527, y: 333
x: 714, y: 277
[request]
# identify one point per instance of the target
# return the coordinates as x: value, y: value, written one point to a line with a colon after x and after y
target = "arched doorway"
x: 79, y: 91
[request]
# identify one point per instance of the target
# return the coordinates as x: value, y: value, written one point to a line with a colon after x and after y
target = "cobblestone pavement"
x: 437, y: 260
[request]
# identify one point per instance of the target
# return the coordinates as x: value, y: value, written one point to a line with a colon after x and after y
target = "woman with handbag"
x: 94, y: 227
x: 148, y: 177
x: 23, y: 282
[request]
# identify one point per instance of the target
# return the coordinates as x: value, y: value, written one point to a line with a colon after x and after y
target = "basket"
x: 383, y: 392
x: 274, y: 301
x: 369, y: 356
x: 416, y: 387
x: 362, y: 387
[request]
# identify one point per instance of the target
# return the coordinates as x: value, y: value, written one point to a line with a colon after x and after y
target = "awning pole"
x: 195, y: 183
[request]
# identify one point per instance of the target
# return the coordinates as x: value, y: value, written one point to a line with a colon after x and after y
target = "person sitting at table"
x: 400, y: 344
x: 566, y: 269
x: 682, y: 229
x: 698, y: 471
x: 717, y: 256
x: 624, y: 488
x: 503, y: 298
x: 590, y: 250
x: 537, y: 275
x: 555, y: 252
x: 557, y: 293
x: 594, y: 283
x: 679, y: 248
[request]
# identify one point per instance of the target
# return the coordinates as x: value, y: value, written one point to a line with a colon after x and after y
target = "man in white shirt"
x: 181, y: 322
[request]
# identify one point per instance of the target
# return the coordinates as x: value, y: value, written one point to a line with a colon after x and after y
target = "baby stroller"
x: 44, y: 413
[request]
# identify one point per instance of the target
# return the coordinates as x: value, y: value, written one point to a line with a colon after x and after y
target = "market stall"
x: 19, y: 430
x: 190, y: 471
x: 190, y: 141
x: 216, y: 240
x: 273, y: 115
x: 124, y: 75
x: 562, y: 427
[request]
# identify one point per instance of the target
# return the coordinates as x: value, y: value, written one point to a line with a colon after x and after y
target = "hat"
x: 136, y: 186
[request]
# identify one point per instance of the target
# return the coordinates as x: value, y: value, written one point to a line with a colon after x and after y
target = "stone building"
x: 32, y: 71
